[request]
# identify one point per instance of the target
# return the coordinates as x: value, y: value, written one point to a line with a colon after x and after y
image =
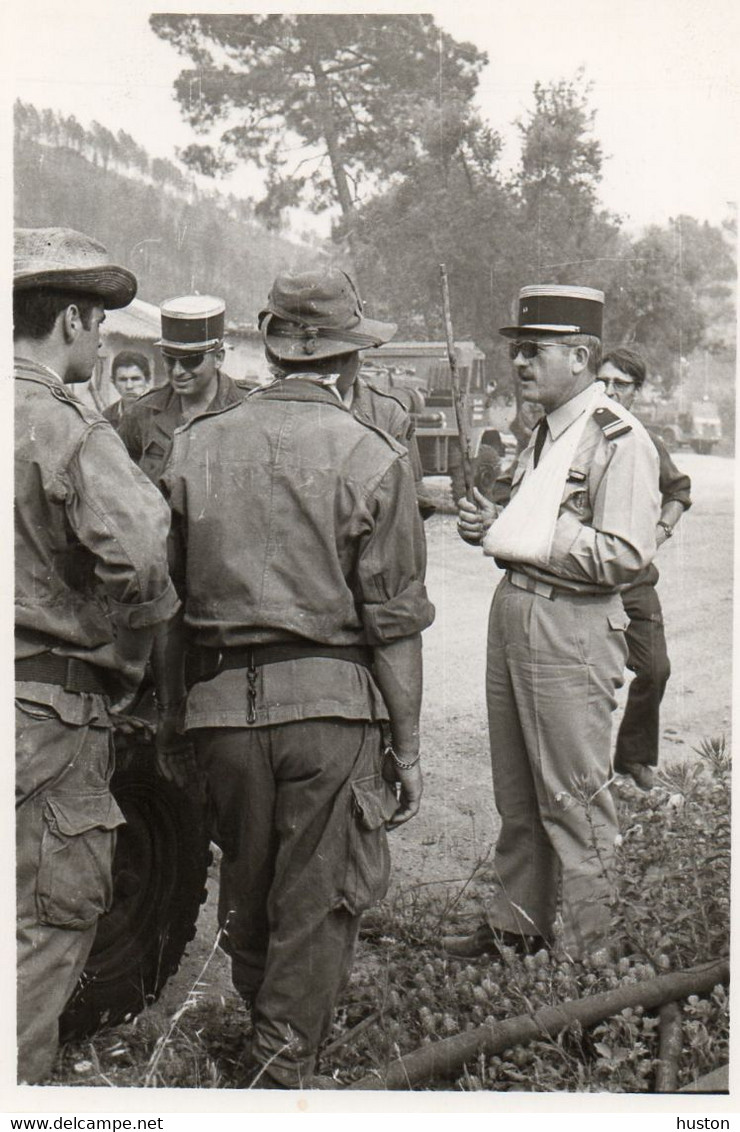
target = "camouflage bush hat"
x: 318, y: 314
x: 69, y: 261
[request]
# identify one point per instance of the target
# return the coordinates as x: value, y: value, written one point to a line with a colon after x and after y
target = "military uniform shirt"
x: 605, y: 531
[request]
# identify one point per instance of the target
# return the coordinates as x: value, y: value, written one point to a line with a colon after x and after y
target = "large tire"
x: 159, y: 874
x: 703, y: 447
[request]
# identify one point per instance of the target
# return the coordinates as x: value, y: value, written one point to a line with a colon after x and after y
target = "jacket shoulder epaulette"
x: 397, y: 447
x: 610, y: 423
x: 208, y: 415
x: 385, y: 393
x: 60, y: 393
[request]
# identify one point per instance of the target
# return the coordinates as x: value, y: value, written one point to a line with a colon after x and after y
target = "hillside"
x: 174, y: 242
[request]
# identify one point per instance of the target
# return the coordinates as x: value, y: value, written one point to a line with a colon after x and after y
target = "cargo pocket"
x: 74, y: 882
x: 373, y: 803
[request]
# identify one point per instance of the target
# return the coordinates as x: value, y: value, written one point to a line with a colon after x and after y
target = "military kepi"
x: 554, y: 309
x: 192, y: 324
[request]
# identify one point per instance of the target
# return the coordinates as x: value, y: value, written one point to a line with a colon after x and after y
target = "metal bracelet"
x: 401, y: 765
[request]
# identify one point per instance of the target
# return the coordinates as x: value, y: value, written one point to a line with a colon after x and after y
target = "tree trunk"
x: 333, y: 147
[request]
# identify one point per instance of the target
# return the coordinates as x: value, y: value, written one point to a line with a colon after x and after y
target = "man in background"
x: 623, y: 371
x: 131, y: 376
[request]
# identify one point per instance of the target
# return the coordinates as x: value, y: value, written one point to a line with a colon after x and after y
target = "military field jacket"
x: 148, y: 426
x: 90, y: 530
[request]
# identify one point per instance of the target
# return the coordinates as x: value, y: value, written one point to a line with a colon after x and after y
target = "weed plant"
x: 670, y: 910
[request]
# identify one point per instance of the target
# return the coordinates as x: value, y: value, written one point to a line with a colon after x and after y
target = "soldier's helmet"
x: 318, y: 314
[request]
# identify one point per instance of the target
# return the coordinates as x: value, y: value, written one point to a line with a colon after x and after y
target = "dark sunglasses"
x: 530, y: 350
x: 188, y: 362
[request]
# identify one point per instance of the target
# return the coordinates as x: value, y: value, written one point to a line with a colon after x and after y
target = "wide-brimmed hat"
x: 554, y: 309
x: 318, y: 314
x: 70, y: 261
x: 192, y: 324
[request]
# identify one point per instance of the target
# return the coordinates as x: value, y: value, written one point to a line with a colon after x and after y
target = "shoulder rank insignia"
x: 610, y: 423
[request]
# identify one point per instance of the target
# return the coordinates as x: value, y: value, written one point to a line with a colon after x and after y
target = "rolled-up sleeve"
x: 121, y: 518
x: 391, y: 597
x: 675, y: 486
x: 619, y: 541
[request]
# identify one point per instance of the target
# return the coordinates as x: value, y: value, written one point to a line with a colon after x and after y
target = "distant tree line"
x: 175, y: 243
x: 117, y: 152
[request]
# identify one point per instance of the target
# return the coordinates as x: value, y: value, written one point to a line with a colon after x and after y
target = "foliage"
x: 671, y: 908
x: 566, y: 237
x: 673, y: 283
x: 357, y: 96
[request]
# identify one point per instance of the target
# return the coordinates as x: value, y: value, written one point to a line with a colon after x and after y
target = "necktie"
x: 540, y: 440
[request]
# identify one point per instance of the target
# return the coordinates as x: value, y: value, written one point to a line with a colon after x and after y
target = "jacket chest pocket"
x: 154, y: 458
x: 575, y: 494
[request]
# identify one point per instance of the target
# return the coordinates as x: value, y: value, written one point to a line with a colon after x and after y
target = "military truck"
x: 419, y: 372
x: 695, y: 424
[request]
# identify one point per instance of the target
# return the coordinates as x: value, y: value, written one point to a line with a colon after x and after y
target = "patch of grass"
x: 671, y: 909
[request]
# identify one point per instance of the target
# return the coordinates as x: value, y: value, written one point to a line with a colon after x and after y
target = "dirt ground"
x: 457, y: 824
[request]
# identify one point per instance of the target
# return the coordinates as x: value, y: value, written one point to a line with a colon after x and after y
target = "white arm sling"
x: 525, y: 528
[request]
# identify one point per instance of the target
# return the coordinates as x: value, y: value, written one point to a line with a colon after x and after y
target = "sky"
x: 664, y: 73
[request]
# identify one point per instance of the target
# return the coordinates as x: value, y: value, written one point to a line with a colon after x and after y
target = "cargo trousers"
x: 554, y: 666
x: 639, y: 732
x: 298, y: 810
x: 66, y: 820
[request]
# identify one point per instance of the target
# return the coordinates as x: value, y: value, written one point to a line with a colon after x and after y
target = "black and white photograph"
x: 373, y: 502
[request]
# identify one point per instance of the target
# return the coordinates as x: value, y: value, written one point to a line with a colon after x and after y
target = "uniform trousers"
x: 639, y: 732
x: 65, y: 837
x: 299, y: 811
x: 554, y: 666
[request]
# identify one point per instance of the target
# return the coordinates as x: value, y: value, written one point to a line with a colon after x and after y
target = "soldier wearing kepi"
x: 579, y: 525
x: 192, y: 346
x: 304, y: 649
x: 91, y: 583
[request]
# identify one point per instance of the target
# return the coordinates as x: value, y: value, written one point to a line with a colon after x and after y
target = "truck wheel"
x: 159, y: 875
x: 703, y: 447
x: 487, y: 470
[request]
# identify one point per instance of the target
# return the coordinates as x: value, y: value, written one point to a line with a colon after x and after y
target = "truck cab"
x: 424, y: 368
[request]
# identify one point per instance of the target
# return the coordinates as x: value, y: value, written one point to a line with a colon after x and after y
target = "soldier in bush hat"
x: 579, y: 524
x: 192, y: 346
x: 91, y: 584
x: 365, y: 399
x: 304, y: 651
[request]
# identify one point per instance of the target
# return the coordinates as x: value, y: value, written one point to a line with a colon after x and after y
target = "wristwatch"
x: 666, y: 527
